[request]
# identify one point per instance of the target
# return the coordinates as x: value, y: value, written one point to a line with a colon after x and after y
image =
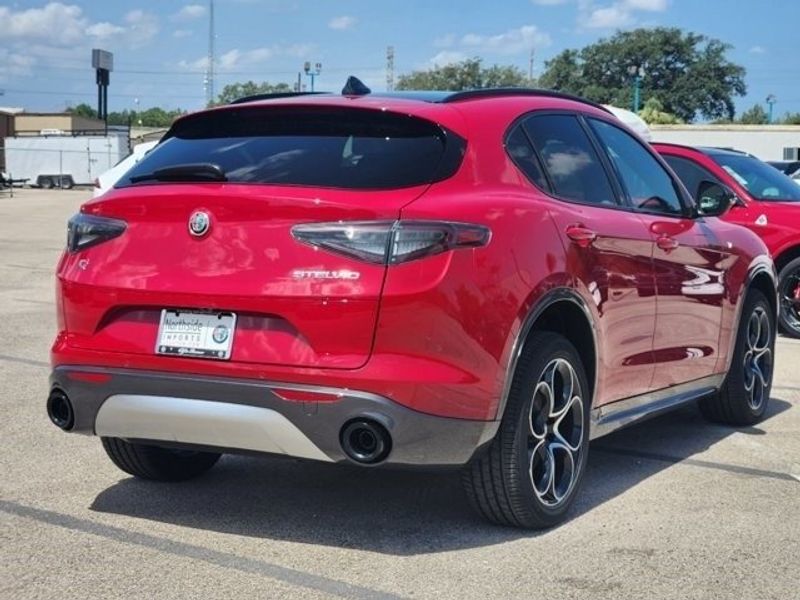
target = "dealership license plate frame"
x: 196, y: 343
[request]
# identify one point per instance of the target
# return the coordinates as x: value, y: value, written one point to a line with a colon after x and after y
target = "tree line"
x: 682, y: 76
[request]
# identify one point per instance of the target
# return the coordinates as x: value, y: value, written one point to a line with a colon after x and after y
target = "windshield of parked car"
x: 307, y: 146
x: 761, y: 180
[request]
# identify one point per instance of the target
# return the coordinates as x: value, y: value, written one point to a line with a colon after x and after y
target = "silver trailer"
x: 63, y: 160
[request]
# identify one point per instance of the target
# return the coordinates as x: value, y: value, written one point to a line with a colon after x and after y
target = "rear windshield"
x: 321, y: 147
x: 761, y: 180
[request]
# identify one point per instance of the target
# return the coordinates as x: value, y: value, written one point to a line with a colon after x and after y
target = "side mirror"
x: 714, y: 199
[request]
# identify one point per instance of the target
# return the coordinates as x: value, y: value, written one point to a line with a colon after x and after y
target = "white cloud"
x: 647, y: 5
x: 758, y: 50
x: 343, y: 22
x: 609, y: 17
x: 57, y: 23
x: 13, y: 64
x: 104, y: 30
x: 237, y: 59
x: 446, y: 41
x: 182, y: 33
x: 621, y: 13
x: 142, y: 27
x: 57, y: 34
x: 513, y: 41
x: 189, y: 12
x: 446, y: 57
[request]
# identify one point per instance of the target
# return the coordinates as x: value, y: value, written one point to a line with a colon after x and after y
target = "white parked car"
x: 633, y: 121
x: 107, y: 180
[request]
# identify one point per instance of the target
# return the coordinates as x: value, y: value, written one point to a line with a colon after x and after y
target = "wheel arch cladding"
x: 765, y: 284
x: 566, y: 316
x: 786, y: 256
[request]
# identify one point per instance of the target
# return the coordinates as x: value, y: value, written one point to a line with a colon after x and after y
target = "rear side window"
x: 689, y: 172
x: 647, y: 183
x: 572, y: 165
x: 521, y: 152
x: 321, y: 147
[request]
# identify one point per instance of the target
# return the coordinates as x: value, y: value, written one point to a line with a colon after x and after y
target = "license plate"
x: 196, y: 334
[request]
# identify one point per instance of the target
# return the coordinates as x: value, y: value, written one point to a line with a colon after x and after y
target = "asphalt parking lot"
x: 672, y: 508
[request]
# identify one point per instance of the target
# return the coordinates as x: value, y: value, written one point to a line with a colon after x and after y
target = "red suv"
x: 483, y: 279
x: 763, y: 199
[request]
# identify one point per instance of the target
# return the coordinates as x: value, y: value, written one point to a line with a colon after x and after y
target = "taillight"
x: 391, y: 242
x: 84, y: 231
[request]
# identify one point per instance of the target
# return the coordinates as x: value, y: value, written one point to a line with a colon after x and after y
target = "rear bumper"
x: 254, y: 415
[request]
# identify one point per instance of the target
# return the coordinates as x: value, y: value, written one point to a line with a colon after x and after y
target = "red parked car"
x: 482, y: 279
x: 764, y: 200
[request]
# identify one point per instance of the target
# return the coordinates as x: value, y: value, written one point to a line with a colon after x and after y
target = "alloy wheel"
x: 555, y: 432
x: 758, y: 358
x: 790, y: 300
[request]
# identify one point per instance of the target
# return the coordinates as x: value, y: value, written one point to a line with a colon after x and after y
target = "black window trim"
x: 687, y: 204
x: 621, y: 202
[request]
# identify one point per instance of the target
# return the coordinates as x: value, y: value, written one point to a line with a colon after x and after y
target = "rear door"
x: 690, y: 261
x: 608, y: 248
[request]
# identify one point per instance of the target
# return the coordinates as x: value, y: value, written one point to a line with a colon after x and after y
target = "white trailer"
x: 63, y: 160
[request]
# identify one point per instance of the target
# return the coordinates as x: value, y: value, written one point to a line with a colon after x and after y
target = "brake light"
x: 84, y: 231
x: 391, y: 242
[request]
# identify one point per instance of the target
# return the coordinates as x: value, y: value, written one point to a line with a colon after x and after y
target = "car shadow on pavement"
x: 400, y: 512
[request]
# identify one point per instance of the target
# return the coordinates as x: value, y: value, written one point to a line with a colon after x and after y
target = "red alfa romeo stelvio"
x: 763, y: 199
x: 484, y: 280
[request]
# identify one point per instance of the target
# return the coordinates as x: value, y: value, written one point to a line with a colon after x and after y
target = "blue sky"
x: 160, y: 45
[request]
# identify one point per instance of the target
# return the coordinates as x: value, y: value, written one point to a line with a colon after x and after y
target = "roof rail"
x: 515, y: 91
x: 273, y: 96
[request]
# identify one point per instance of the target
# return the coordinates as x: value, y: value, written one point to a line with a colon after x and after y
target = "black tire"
x: 157, y: 463
x: 788, y: 281
x: 66, y: 183
x: 499, y: 483
x: 743, y: 398
x: 46, y: 183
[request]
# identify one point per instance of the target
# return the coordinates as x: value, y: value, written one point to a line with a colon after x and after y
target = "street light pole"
x: 312, y: 72
x: 637, y: 73
x: 771, y: 100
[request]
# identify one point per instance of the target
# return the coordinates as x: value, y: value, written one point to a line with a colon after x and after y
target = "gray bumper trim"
x: 193, y: 403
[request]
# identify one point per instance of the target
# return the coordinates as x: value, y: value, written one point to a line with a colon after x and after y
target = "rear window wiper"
x: 187, y: 172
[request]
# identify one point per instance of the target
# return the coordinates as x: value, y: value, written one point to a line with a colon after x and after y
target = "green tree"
x: 465, y: 75
x: 688, y: 73
x: 233, y: 91
x: 654, y: 114
x: 756, y: 115
x: 791, y: 119
x: 83, y: 110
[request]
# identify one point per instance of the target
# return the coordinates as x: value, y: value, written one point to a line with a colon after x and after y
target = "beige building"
x: 37, y: 123
x: 767, y: 142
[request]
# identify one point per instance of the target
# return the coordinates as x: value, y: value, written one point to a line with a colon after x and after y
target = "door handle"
x: 667, y: 243
x: 580, y: 235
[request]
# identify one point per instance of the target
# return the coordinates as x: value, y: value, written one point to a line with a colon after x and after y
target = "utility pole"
x: 771, y: 100
x: 208, y: 82
x: 530, y: 67
x: 389, y: 68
